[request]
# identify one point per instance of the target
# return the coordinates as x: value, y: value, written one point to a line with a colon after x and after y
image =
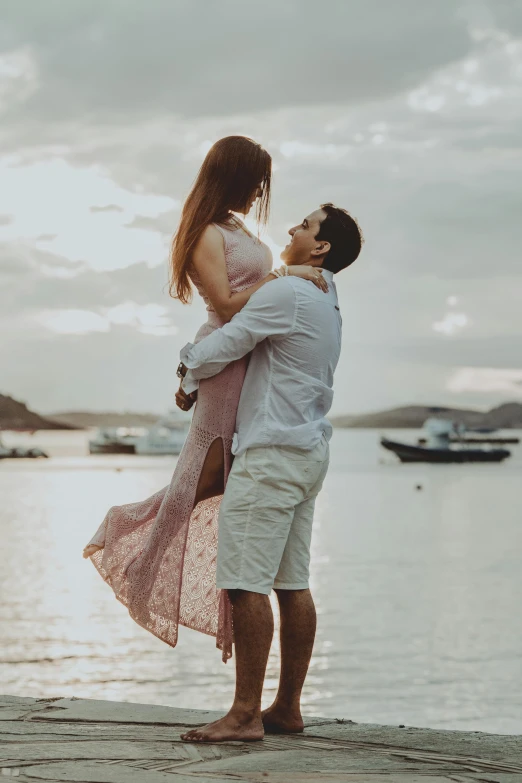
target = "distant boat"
x: 493, y: 441
x: 410, y: 453
x: 167, y: 436
x: 114, y: 440
x: 458, y: 433
x: 438, y: 445
x: 19, y: 452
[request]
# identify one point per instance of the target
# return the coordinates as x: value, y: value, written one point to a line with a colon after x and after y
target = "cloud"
x: 71, y: 223
x: 451, y: 323
x: 31, y: 280
x: 164, y: 224
x: 73, y: 321
x: 408, y: 114
x: 164, y: 58
x: 149, y: 319
x: 107, y: 208
x: 507, y: 382
x: 18, y: 77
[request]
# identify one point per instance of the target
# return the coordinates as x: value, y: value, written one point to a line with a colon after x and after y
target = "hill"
x: 85, y: 419
x: 506, y: 416
x: 16, y: 415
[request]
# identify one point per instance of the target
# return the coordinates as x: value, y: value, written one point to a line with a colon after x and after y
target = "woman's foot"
x: 234, y: 726
x: 281, y: 720
x: 90, y: 550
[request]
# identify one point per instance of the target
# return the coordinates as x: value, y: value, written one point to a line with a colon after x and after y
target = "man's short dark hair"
x: 344, y: 235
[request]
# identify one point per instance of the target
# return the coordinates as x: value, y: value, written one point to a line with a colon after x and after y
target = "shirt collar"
x: 328, y: 275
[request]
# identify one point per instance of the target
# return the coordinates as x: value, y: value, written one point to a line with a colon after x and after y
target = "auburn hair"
x: 233, y: 169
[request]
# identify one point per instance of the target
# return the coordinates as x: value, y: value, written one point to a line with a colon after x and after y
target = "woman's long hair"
x: 231, y: 172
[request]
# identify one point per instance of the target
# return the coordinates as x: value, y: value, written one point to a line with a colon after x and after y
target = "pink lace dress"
x: 159, y: 555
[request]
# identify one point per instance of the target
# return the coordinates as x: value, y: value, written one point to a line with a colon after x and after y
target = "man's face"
x: 303, y: 247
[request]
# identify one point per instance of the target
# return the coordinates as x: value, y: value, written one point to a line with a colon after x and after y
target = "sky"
x: 408, y: 114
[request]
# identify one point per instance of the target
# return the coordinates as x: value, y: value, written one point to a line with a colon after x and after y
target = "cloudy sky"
x: 407, y: 113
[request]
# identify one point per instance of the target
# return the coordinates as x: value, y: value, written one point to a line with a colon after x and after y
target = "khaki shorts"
x: 266, y: 516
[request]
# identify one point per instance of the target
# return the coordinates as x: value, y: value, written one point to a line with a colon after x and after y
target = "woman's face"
x: 258, y: 192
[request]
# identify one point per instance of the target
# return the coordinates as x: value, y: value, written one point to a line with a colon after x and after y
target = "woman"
x: 159, y: 555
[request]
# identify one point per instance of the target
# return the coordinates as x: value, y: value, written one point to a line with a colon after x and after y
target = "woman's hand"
x: 307, y: 272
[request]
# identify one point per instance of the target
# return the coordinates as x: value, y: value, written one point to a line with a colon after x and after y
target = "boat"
x: 443, y: 442
x: 493, y: 441
x: 114, y: 440
x: 411, y: 453
x: 165, y: 437
x: 19, y: 452
x: 472, y: 435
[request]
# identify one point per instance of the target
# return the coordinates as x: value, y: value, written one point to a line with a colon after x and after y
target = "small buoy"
x: 418, y: 486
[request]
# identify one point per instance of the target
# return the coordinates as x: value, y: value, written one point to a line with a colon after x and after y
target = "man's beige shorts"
x: 265, y: 522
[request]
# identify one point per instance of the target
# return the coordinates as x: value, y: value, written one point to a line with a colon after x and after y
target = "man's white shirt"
x: 294, y: 331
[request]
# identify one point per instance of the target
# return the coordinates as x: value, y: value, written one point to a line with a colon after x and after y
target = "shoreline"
x: 69, y: 739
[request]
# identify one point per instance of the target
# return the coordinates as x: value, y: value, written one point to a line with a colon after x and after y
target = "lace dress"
x: 159, y: 555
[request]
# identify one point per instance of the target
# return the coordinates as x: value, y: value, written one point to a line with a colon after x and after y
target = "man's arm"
x: 270, y: 312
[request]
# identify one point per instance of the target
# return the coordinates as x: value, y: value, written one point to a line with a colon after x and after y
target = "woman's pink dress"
x: 159, y: 555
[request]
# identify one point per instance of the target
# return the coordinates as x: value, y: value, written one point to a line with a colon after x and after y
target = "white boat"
x: 439, y: 431
x: 20, y: 452
x: 167, y: 436
x: 114, y: 440
x: 438, y: 446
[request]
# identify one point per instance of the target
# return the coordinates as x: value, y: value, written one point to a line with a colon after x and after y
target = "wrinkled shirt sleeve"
x: 270, y: 312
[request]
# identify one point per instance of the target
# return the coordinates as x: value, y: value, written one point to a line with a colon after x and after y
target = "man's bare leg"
x: 253, y: 632
x: 297, y: 634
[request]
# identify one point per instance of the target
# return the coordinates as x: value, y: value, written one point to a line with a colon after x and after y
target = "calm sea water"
x: 418, y: 590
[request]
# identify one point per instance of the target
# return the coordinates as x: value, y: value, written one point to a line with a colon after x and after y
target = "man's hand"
x: 185, y: 401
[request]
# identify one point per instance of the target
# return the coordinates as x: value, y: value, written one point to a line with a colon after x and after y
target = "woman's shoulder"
x: 227, y: 236
x: 227, y: 233
x: 211, y: 234
x: 211, y: 242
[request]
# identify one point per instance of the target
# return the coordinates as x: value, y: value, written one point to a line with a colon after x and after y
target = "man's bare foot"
x: 90, y: 550
x: 231, y: 727
x: 278, y: 720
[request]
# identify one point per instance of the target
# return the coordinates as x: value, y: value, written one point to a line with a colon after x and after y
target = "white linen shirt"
x: 294, y: 331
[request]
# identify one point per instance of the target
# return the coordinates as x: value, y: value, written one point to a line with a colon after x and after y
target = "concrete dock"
x: 89, y: 741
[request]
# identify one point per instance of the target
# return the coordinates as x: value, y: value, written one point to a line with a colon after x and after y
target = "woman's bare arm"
x: 210, y: 264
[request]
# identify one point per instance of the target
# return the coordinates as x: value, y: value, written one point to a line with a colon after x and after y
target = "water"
x: 418, y: 590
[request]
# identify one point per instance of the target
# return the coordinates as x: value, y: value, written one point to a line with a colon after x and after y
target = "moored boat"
x: 114, y: 440
x: 20, y: 452
x: 493, y: 441
x: 165, y: 437
x: 411, y: 453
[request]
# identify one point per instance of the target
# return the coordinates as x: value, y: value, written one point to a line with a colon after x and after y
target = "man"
x: 281, y: 458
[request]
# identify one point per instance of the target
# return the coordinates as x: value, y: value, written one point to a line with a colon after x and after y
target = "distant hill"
x: 506, y: 416
x: 16, y: 415
x: 85, y: 419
